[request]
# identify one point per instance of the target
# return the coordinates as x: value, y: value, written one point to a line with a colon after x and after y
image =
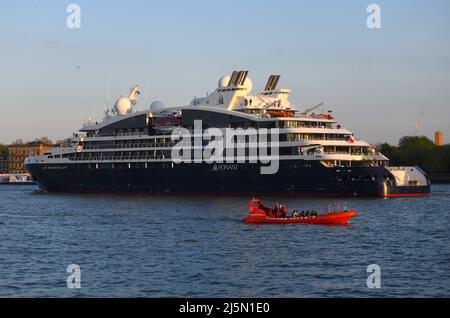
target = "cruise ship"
x: 133, y: 151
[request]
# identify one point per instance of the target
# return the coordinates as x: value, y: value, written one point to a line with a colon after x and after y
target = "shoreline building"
x: 438, y: 138
x: 18, y: 152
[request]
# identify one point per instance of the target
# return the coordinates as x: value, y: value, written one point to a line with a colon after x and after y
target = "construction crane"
x: 308, y: 110
x: 418, y: 122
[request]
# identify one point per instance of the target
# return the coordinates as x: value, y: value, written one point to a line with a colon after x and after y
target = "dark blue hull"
x: 294, y: 178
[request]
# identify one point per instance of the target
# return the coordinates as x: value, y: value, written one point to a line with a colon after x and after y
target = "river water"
x: 184, y: 246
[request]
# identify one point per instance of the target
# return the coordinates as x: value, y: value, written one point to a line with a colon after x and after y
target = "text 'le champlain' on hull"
x: 232, y: 141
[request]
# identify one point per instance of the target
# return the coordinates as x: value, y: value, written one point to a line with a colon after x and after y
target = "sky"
x: 378, y: 82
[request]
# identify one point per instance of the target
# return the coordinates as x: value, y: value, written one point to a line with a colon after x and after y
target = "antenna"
x: 147, y: 92
x: 308, y: 110
x: 107, y: 94
x: 93, y: 107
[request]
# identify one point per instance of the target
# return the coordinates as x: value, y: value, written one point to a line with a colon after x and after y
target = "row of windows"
x: 304, y: 124
x: 152, y: 143
x: 143, y: 143
x: 167, y: 142
x: 161, y: 154
x: 129, y: 131
x: 345, y: 178
x: 166, y: 154
x: 16, y: 159
x: 309, y: 136
x: 362, y: 163
x: 122, y: 155
x: 356, y: 151
x: 18, y: 166
x: 243, y: 124
x: 23, y: 153
x: 130, y: 165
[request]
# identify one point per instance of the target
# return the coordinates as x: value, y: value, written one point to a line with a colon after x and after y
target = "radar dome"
x: 123, y: 105
x: 223, y: 81
x: 156, y: 105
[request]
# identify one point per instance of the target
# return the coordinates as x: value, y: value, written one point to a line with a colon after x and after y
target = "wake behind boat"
x: 258, y: 213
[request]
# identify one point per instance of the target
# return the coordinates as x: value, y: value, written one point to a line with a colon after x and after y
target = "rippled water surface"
x: 150, y: 246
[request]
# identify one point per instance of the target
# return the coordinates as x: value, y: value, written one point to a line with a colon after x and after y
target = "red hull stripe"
x: 395, y: 195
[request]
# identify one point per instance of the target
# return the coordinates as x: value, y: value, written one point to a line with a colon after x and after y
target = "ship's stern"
x: 407, y: 181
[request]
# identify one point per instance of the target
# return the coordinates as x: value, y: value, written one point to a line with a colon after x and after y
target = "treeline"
x: 420, y: 151
x: 44, y: 140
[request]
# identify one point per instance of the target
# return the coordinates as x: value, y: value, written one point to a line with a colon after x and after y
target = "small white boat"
x: 16, y: 179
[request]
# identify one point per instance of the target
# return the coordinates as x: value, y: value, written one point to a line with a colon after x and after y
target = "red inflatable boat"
x: 261, y: 214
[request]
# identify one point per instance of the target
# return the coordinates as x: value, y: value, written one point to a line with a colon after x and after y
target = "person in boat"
x: 276, y: 210
x: 284, y: 211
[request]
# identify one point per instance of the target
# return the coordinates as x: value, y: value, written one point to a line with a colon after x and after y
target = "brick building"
x: 17, y: 154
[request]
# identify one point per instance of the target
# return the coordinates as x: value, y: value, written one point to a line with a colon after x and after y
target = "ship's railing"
x: 302, y: 124
x: 121, y: 134
x: 316, y: 138
x: 314, y: 116
x: 89, y: 123
x: 341, y: 153
x: 130, y: 146
x: 119, y: 158
x: 396, y: 168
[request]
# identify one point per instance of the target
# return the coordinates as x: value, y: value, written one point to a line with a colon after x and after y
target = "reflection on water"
x: 153, y: 246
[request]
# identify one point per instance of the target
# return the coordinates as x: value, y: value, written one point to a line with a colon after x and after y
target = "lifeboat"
x: 258, y: 213
x: 280, y: 113
x: 326, y: 116
x: 166, y: 124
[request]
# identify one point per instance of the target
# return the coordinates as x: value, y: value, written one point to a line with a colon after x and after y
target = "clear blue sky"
x: 376, y: 81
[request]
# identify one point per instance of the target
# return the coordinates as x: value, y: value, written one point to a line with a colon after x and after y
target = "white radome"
x: 156, y: 105
x: 123, y: 105
x: 223, y: 81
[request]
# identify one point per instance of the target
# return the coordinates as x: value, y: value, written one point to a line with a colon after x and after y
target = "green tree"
x: 415, y: 142
x: 3, y: 148
x: 418, y: 151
